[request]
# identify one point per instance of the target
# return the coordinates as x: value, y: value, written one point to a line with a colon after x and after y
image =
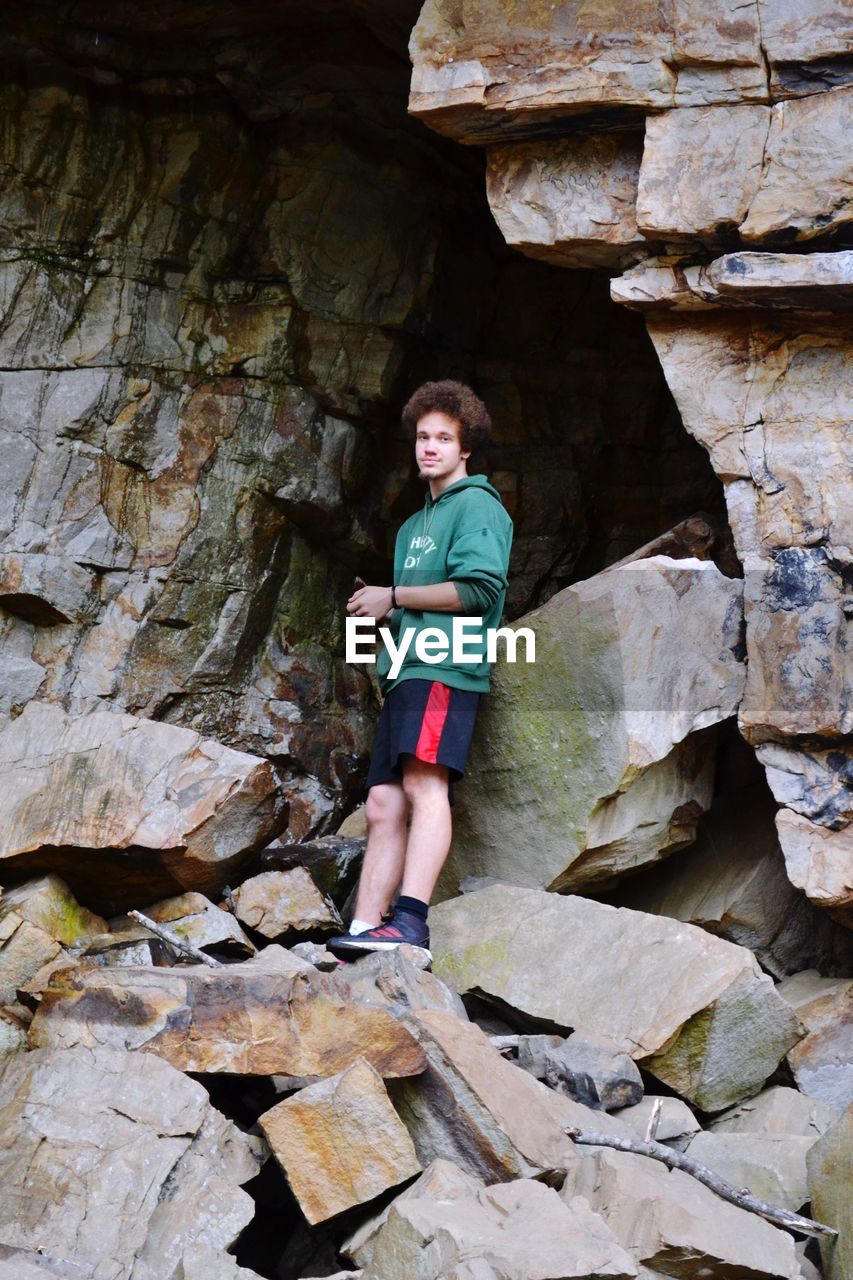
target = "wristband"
x: 394, y: 604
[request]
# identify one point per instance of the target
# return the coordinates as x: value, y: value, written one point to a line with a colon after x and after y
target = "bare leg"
x: 387, y: 811
x: 425, y: 786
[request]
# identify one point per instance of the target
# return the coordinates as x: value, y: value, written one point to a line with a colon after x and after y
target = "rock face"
x: 340, y: 1142
x: 119, y: 1160
x: 600, y: 736
x: 237, y: 1019
x: 694, y: 1010
x: 85, y: 793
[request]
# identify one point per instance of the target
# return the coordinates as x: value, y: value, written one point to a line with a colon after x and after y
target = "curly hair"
x: 458, y: 402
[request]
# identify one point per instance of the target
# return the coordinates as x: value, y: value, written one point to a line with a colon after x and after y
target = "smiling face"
x: 438, y: 451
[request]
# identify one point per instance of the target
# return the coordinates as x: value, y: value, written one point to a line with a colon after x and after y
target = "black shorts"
x: 427, y: 719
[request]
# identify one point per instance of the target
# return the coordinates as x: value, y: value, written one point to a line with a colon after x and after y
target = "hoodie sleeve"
x: 477, y: 563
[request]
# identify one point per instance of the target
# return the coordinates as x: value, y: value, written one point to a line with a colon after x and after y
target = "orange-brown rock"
x: 237, y: 1019
x: 340, y: 1142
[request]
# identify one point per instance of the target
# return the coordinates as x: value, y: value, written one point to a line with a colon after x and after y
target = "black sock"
x: 414, y: 906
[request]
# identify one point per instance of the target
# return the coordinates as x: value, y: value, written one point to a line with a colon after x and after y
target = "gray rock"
x: 390, y: 980
x: 830, y: 1171
x: 521, y: 1230
x: 482, y: 1113
x: 286, y: 905
x: 676, y: 1123
x: 778, y: 1110
x: 441, y: 1181
x: 589, y: 1068
x: 118, y: 1160
x: 822, y: 1063
x: 694, y: 1010
x: 773, y: 1166
x: 669, y: 1221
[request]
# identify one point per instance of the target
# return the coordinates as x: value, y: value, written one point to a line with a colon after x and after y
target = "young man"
x: 450, y: 559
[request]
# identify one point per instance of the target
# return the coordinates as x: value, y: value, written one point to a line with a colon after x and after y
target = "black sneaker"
x: 402, y: 927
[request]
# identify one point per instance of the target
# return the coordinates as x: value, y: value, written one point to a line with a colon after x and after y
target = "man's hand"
x: 370, y: 602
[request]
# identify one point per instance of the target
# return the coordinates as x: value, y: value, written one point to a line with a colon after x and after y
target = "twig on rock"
x: 172, y: 939
x: 505, y: 1044
x: 742, y: 1197
x: 654, y: 1120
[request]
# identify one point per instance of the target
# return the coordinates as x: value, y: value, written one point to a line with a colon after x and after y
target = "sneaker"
x: 401, y: 928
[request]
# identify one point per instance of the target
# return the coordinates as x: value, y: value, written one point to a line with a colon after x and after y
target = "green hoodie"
x: 463, y: 536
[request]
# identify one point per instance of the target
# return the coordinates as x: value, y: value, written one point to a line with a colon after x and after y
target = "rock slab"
x: 86, y: 795
x: 118, y: 1161
x: 694, y: 1010
x: 340, y: 1142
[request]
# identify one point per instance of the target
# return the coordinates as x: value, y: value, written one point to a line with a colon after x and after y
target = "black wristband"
x: 394, y: 604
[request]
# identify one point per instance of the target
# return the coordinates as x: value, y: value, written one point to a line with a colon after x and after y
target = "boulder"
x: 118, y: 1161
x: 599, y: 738
x: 589, y: 1068
x: 778, y: 1110
x: 286, y: 905
x: 482, y: 1113
x: 672, y: 1223
x: 518, y: 1231
x: 675, y: 1125
x: 693, y: 1010
x: 830, y: 1171
x: 390, y: 980
x: 569, y: 201
x: 733, y: 881
x: 50, y: 904
x: 246, y: 1019
x: 203, y: 1262
x: 820, y: 862
x: 24, y: 950
x: 822, y: 1063
x: 772, y: 1166
x: 340, y: 1142
x: 30, y: 1264
x: 440, y: 1181
x: 196, y: 920
x: 333, y: 862
x: 125, y: 808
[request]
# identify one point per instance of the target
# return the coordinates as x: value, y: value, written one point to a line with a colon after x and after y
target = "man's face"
x: 438, y: 450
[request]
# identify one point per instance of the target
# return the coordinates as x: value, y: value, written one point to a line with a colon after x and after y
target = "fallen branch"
x: 742, y: 1197
x: 172, y: 939
x: 654, y: 1121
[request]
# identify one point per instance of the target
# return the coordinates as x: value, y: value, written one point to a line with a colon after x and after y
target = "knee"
x: 385, y: 804
x: 423, y: 784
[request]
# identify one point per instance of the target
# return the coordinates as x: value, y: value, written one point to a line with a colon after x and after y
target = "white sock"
x: 360, y: 926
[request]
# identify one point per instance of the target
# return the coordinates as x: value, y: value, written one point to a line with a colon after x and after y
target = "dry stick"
x: 742, y: 1198
x: 166, y: 935
x: 654, y: 1120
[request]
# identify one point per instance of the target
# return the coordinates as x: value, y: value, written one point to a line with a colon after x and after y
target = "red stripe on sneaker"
x: 432, y: 724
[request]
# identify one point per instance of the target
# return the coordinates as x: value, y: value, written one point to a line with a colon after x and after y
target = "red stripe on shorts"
x: 433, y: 723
